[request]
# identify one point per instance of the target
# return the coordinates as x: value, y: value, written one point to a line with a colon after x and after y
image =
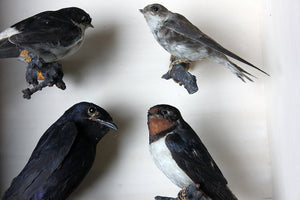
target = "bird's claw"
x: 192, y: 192
x: 178, y: 61
x: 181, y: 76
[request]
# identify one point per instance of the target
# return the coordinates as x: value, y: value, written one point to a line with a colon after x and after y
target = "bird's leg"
x: 192, y: 192
x: 172, y: 58
x: 182, y: 194
x: 185, y: 63
x: 178, y: 61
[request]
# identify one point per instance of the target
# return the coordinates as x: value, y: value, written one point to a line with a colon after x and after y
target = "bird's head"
x: 155, y: 14
x: 162, y: 118
x: 90, y: 118
x: 78, y: 16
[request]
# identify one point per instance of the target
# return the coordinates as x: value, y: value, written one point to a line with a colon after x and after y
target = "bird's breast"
x: 164, y: 161
x: 180, y: 46
x: 58, y: 52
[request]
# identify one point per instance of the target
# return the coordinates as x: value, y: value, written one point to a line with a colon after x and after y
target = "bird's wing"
x: 47, y: 156
x: 47, y: 28
x: 182, y: 26
x: 192, y: 156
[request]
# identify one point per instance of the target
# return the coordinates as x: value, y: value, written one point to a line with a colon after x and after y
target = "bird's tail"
x: 239, y: 72
x: 223, y: 60
x: 8, y: 50
x: 224, y: 194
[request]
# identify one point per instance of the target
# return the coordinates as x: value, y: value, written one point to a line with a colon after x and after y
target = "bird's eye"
x: 92, y: 110
x: 164, y: 112
x: 155, y: 9
x: 83, y: 18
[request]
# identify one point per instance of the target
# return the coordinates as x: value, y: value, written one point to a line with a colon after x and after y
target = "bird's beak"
x: 91, y: 25
x: 153, y: 116
x: 108, y: 124
x: 142, y: 11
x: 105, y: 123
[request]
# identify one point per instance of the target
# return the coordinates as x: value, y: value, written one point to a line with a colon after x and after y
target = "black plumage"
x: 63, y: 156
x: 41, y: 41
x: 49, y: 35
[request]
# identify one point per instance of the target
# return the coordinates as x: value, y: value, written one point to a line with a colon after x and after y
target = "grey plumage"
x: 184, y: 40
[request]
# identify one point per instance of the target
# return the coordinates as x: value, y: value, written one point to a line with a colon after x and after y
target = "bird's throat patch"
x: 158, y: 125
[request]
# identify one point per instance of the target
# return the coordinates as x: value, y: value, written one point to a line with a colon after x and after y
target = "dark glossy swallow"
x: 179, y: 153
x: 63, y: 156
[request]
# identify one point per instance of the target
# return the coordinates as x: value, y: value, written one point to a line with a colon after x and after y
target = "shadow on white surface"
x: 97, y: 50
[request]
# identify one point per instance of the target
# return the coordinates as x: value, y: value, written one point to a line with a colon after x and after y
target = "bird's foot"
x: 181, y: 76
x: 40, y: 76
x: 25, y: 56
x: 172, y: 58
x: 179, y: 61
x: 184, y: 62
x: 192, y: 192
x: 30, y: 58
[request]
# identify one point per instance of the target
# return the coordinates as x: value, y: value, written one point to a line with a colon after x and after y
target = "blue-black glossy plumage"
x: 63, y: 156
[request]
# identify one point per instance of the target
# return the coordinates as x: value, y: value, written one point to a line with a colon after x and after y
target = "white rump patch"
x: 8, y: 32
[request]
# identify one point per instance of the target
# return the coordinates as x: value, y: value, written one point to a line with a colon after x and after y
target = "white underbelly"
x: 164, y: 161
x: 62, y: 52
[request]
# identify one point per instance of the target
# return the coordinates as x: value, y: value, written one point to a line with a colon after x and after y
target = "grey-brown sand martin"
x: 184, y: 40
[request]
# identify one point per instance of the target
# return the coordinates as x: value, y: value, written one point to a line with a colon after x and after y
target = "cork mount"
x: 40, y: 74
